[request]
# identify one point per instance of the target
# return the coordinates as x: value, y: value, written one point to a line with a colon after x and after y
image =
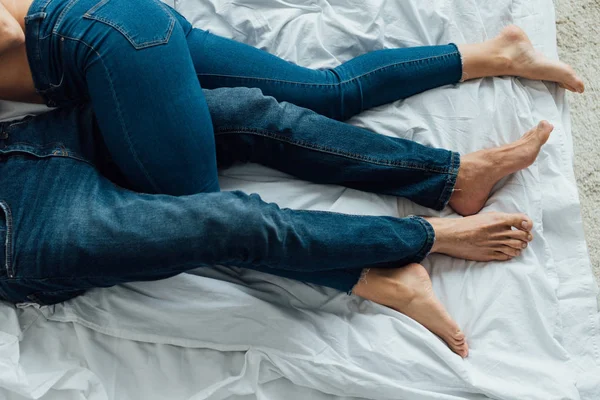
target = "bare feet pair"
x: 482, y: 237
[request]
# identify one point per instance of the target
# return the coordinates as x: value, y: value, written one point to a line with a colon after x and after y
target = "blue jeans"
x: 141, y: 64
x: 66, y: 228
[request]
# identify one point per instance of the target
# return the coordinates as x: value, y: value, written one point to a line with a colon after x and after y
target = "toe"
x: 579, y: 86
x: 544, y: 125
x: 515, y: 244
x: 459, y: 336
x: 521, y: 221
x: 523, y: 236
x: 509, y: 251
x: 457, y: 343
x: 462, y: 350
x: 568, y: 87
x: 542, y: 131
x: 500, y: 256
x: 571, y: 80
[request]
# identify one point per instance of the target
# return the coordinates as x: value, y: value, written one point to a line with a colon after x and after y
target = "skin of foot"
x: 481, y: 170
x: 482, y: 237
x: 408, y: 290
x: 511, y: 53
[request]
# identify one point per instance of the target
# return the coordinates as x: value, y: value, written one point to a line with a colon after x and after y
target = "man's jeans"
x: 141, y: 64
x: 66, y: 228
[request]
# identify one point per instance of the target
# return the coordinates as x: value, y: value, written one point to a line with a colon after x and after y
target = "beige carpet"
x: 578, y: 31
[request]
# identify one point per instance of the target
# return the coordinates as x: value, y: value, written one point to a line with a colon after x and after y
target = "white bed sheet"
x: 532, y: 323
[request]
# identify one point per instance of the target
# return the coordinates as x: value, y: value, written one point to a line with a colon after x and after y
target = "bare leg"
x: 409, y: 291
x: 511, y: 53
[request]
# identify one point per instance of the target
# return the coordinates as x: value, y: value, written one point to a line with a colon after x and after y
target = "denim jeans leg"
x: 90, y: 233
x: 139, y: 77
x: 84, y: 231
x: 250, y: 127
x: 366, y: 81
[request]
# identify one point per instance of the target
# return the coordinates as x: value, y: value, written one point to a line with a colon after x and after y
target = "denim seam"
x: 121, y: 29
x: 119, y: 113
x: 428, y: 245
x: 66, y: 154
x: 37, y: 56
x: 61, y: 17
x: 96, y: 7
x: 127, y: 136
x: 42, y: 9
x: 452, y: 175
x: 338, y: 83
x: 276, y: 136
x: 8, y: 241
x: 463, y: 76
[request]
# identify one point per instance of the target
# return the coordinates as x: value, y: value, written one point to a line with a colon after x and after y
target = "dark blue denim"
x: 66, y: 228
x: 140, y: 64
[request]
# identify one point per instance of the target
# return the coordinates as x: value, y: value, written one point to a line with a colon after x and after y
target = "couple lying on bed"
x: 119, y: 183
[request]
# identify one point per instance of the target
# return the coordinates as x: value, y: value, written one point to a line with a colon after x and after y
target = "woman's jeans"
x: 66, y: 228
x: 141, y: 64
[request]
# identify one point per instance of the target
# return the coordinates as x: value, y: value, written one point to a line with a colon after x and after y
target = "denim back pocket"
x: 144, y: 23
x: 6, y: 234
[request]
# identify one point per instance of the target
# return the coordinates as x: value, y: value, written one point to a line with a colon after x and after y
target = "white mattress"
x: 532, y: 323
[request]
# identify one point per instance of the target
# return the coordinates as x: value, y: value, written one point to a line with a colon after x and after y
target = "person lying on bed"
x: 109, y: 66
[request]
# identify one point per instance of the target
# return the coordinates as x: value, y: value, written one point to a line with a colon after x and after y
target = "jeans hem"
x: 362, y: 278
x: 463, y: 76
x: 452, y: 174
x: 429, y: 241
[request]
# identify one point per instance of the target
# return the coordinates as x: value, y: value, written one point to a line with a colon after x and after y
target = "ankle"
x: 379, y: 286
x: 438, y: 225
x: 485, y: 59
x: 473, y: 164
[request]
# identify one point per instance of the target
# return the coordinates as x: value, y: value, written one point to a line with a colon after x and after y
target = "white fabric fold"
x: 532, y: 323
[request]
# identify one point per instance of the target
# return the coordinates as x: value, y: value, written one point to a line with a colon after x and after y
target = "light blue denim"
x: 141, y: 64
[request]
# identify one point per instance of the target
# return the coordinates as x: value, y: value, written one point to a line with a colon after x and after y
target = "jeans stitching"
x: 66, y: 154
x: 95, y: 8
x: 62, y: 16
x: 43, y: 7
x: 337, y: 83
x: 36, y: 61
x: 448, y: 189
x: 119, y: 114
x: 310, y: 146
x: 8, y: 241
x: 127, y: 136
x: 121, y: 29
x: 429, y: 241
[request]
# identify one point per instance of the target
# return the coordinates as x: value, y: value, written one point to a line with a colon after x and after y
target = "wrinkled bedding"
x: 531, y: 323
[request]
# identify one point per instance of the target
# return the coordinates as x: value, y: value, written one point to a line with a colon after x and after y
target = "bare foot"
x: 511, y: 53
x: 529, y: 63
x: 408, y: 290
x: 482, y: 237
x: 480, y: 171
